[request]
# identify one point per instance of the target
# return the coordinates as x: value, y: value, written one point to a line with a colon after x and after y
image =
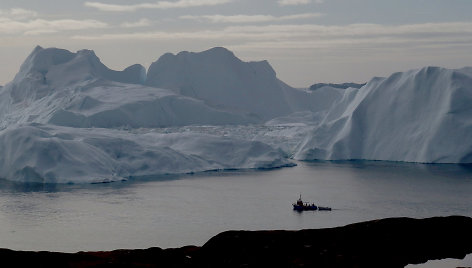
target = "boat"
x: 303, y: 206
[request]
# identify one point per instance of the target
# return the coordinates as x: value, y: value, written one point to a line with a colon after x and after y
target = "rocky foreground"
x: 393, y: 242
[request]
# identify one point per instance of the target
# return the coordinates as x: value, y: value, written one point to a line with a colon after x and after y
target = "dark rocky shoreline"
x: 393, y: 242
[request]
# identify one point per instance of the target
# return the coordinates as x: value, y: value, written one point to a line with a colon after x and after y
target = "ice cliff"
x: 51, y: 154
x: 420, y: 115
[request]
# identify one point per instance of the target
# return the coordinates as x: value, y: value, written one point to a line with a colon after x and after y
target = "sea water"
x: 172, y: 211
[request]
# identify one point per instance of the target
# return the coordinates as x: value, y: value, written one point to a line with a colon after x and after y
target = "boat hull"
x: 304, y: 207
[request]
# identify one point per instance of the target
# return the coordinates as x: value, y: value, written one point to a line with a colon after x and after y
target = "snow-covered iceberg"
x: 66, y: 117
x: 420, y: 115
x: 75, y: 89
x: 217, y: 77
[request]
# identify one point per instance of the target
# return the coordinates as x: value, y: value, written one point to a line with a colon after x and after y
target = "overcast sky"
x: 306, y: 41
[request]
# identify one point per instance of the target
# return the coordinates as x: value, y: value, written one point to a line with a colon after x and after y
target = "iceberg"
x: 420, y: 115
x: 217, y: 77
x: 67, y: 118
x: 55, y: 86
x: 54, y: 154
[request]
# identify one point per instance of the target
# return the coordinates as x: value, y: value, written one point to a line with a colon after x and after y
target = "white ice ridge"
x: 66, y: 117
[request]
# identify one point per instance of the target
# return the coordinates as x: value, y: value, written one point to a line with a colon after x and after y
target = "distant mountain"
x: 342, y: 86
x: 420, y: 115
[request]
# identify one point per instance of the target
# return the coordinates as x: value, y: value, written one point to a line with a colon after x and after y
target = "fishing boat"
x: 302, y: 206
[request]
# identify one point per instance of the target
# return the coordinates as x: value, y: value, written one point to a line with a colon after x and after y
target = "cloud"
x: 18, y: 13
x: 155, y: 5
x: 28, y: 22
x: 295, y: 2
x: 365, y: 43
x: 250, y: 18
x: 136, y: 24
x: 356, y: 30
x: 41, y: 26
x: 312, y: 36
x: 309, y: 31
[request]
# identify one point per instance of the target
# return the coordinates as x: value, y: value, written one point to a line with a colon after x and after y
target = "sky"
x: 305, y: 41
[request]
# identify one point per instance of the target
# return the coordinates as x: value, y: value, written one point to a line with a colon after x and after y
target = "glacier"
x: 67, y: 118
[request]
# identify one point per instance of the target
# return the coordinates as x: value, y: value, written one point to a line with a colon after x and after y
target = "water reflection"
x: 28, y: 187
x: 8, y: 186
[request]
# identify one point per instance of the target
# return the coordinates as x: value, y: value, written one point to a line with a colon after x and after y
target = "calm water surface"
x: 176, y: 211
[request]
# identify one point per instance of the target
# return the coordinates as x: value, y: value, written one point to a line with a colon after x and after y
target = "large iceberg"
x: 220, y: 79
x: 420, y: 115
x: 66, y: 117
x: 75, y: 89
x: 52, y: 154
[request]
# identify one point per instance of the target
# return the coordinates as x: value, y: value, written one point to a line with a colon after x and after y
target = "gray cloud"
x: 41, y: 26
x: 28, y: 22
x: 309, y: 31
x: 155, y: 5
x: 290, y: 38
x: 294, y: 2
x: 250, y: 18
x: 18, y: 13
x: 136, y: 24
